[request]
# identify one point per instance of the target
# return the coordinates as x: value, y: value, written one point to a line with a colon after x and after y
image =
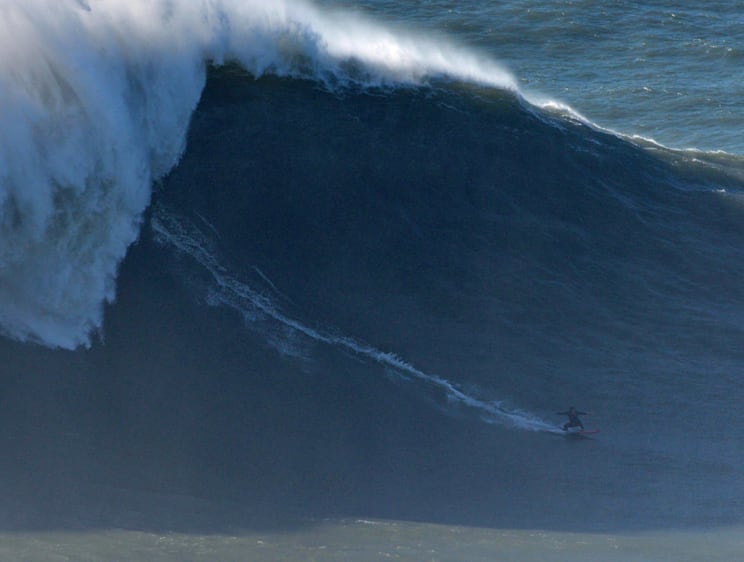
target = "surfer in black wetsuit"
x: 573, y: 418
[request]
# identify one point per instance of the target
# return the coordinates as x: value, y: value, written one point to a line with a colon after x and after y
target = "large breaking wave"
x: 95, y: 102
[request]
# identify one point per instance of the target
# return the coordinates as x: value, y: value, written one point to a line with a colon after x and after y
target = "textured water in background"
x: 660, y: 70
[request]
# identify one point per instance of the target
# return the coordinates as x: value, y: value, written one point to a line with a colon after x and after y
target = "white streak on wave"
x: 233, y: 293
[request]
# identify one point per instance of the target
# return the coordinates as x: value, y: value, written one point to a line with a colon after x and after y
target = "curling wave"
x: 95, y: 101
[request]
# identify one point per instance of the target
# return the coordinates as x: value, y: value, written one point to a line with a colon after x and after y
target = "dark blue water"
x: 511, y: 263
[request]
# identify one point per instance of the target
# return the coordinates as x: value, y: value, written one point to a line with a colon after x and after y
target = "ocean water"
x: 309, y: 281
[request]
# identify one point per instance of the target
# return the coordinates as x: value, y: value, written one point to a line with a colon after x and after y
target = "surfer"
x: 573, y: 418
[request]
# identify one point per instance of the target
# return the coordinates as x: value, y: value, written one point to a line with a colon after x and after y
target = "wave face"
x: 466, y: 206
x: 450, y: 265
x: 96, y: 101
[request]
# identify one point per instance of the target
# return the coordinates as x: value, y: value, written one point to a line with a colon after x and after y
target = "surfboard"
x: 581, y: 432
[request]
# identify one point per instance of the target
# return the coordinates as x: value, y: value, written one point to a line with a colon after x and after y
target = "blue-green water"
x: 662, y: 70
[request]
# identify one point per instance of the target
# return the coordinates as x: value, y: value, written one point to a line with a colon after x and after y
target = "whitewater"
x: 96, y: 102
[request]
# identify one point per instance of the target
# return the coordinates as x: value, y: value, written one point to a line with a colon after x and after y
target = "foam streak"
x: 239, y: 296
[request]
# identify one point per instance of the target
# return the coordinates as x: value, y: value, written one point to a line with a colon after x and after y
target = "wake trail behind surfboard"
x: 187, y: 238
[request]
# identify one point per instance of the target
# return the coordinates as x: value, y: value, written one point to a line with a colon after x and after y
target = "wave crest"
x: 95, y: 101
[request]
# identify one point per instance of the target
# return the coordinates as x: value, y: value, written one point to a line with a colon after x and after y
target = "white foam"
x: 95, y: 101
